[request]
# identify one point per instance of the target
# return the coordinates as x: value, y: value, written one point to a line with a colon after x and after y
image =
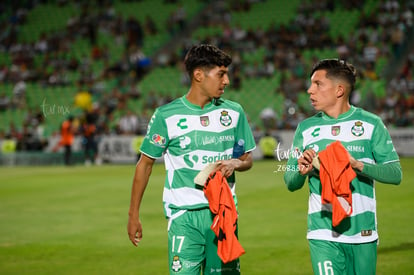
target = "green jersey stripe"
x: 366, y: 219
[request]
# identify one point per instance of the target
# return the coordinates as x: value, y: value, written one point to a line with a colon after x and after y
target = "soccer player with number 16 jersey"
x: 347, y: 245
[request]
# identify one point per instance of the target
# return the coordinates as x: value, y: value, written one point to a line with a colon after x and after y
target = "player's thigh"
x: 365, y: 258
x: 186, y: 251
x: 327, y: 258
x: 214, y: 264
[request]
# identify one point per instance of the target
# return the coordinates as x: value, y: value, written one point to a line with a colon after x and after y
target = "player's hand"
x: 134, y: 231
x: 227, y: 167
x: 356, y: 164
x: 305, y: 161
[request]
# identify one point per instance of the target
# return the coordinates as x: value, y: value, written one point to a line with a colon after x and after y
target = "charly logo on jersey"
x: 357, y: 130
x: 225, y: 118
x: 335, y: 130
x: 176, y: 264
x: 205, y: 121
x: 182, y: 124
x: 315, y: 132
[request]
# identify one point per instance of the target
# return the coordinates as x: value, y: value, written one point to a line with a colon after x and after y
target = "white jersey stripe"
x: 360, y: 204
x: 328, y: 235
x: 190, y: 123
x: 345, y: 134
x: 184, y: 196
x: 178, y: 162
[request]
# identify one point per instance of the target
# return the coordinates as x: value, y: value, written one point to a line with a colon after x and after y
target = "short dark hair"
x: 205, y: 56
x: 337, y: 68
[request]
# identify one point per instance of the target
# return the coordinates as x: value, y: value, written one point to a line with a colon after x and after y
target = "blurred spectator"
x: 150, y: 27
x: 236, y: 82
x: 398, y: 84
x: 342, y: 48
x: 268, y: 117
x: 135, y: 33
x: 369, y: 72
x: 13, y: 132
x: 111, y: 101
x: 177, y: 20
x: 133, y: 91
x: 4, y: 71
x: 238, y: 33
x: 39, y: 135
x: 128, y: 124
x: 41, y: 46
x: 67, y: 136
x: 58, y: 78
x: 4, y: 102
x: 180, y: 16
x: 119, y: 67
x: 19, y: 94
x: 370, y: 53
x: 140, y: 62
x: 397, y: 39
x: 293, y: 86
x: 88, y: 131
x: 32, y: 137
x: 151, y: 101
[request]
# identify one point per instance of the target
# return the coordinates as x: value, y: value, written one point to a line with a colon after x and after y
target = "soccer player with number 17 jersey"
x: 349, y: 247
x: 193, y: 131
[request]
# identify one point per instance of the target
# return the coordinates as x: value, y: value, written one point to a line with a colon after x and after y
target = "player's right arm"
x: 295, y: 176
x: 140, y: 181
x: 299, y: 167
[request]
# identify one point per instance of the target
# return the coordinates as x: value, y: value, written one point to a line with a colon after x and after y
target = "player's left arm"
x: 387, y: 168
x: 386, y: 173
x: 243, y: 163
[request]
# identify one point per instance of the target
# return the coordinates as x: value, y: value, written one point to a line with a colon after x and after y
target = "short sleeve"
x: 156, y: 139
x: 244, y: 132
x: 382, y: 147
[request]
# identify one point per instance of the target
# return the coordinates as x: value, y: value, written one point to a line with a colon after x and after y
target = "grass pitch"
x: 72, y: 220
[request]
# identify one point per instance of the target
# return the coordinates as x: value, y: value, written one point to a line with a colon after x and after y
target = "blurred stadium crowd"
x: 111, y: 63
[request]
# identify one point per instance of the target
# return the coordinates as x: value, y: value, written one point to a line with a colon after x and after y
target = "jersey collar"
x: 343, y: 116
x: 192, y: 106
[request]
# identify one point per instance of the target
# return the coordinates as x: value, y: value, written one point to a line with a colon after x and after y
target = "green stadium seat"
x: 264, y: 14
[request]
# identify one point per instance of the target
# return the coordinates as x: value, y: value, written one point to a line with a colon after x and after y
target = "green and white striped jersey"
x: 191, y: 138
x: 365, y: 137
